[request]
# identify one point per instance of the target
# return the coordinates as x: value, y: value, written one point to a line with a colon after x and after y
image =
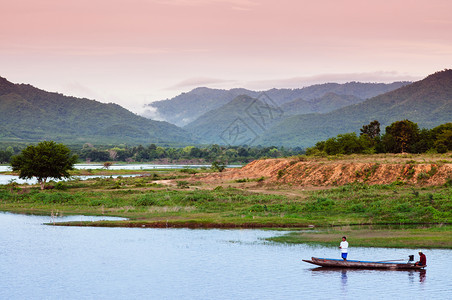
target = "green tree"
x: 425, y: 141
x: 5, y: 156
x: 372, y: 130
x: 371, y: 133
x: 218, y: 166
x: 349, y: 143
x: 443, y: 137
x: 401, y: 136
x: 45, y: 160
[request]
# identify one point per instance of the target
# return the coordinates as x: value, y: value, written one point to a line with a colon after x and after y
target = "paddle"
x: 390, y: 260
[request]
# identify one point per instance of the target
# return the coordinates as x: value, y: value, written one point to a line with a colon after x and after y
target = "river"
x: 47, y: 262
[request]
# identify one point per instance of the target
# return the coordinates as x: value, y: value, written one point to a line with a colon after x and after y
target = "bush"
x: 182, y: 184
x: 188, y: 171
x: 241, y: 180
x: 448, y: 182
x: 358, y: 208
x: 260, y: 179
x: 423, y: 176
x: 60, y: 186
x: 47, y: 198
x: 145, y: 200
x: 218, y: 166
x: 321, y: 204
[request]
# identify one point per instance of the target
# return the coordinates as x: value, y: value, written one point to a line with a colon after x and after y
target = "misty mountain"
x: 427, y: 102
x: 187, y: 107
x: 324, y: 104
x: 238, y: 122
x: 29, y: 114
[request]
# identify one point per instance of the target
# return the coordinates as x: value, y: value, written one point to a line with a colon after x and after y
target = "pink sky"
x: 137, y: 51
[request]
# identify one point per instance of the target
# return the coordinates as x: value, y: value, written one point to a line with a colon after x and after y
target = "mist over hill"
x: 187, y: 107
x: 281, y: 117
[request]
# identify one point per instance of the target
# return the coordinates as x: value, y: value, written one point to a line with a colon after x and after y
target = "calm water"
x: 131, y: 167
x: 46, y: 262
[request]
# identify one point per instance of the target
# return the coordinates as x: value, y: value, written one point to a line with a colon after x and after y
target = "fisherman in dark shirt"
x: 422, y: 259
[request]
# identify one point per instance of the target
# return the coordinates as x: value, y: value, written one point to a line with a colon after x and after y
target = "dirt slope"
x: 327, y: 173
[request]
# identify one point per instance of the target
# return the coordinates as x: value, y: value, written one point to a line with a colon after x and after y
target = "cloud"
x: 293, y: 82
x: 152, y: 113
x: 200, y: 81
x: 299, y: 82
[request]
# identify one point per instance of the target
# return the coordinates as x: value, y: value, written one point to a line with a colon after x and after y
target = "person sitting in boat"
x: 344, y: 248
x: 422, y: 259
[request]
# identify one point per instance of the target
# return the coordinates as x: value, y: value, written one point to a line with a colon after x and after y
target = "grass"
x: 439, y: 236
x: 350, y: 204
x: 163, y: 199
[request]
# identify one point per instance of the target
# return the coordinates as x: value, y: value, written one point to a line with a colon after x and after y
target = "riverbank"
x: 180, y: 198
x: 422, y: 236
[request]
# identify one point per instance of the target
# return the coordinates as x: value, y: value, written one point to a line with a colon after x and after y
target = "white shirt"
x: 344, y: 246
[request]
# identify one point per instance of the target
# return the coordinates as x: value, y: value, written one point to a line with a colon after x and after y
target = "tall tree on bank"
x: 45, y: 160
x: 372, y: 130
x: 401, y: 136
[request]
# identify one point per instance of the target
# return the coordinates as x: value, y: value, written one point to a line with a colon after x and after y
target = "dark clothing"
x: 422, y: 260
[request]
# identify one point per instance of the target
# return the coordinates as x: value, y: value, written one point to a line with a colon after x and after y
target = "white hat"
x: 420, y: 251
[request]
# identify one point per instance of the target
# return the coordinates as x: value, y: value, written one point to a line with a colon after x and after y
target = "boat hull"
x: 356, y: 264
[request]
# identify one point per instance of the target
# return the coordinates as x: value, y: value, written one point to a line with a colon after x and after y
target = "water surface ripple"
x: 46, y: 262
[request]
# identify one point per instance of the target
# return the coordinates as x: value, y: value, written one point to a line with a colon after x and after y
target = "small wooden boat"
x: 358, y: 264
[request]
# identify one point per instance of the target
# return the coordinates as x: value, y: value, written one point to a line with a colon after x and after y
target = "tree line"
x: 399, y: 137
x: 152, y: 152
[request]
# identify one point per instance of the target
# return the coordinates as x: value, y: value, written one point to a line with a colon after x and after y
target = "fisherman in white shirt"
x: 344, y: 248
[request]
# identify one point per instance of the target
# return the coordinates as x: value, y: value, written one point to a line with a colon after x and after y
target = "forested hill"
x: 427, y: 102
x: 187, y: 107
x: 219, y: 126
x: 29, y: 114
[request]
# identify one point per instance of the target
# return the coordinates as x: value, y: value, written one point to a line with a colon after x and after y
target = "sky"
x: 137, y: 51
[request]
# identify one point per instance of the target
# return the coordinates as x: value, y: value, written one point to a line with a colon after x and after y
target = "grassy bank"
x: 166, y: 199
x: 426, y: 236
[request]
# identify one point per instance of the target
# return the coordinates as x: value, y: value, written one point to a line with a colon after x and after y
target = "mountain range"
x: 238, y: 122
x: 187, y: 107
x: 29, y: 114
x: 427, y: 102
x: 280, y: 117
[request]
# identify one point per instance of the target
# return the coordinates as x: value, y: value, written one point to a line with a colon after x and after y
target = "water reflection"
x: 344, y: 277
x: 422, y: 275
x: 343, y: 273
